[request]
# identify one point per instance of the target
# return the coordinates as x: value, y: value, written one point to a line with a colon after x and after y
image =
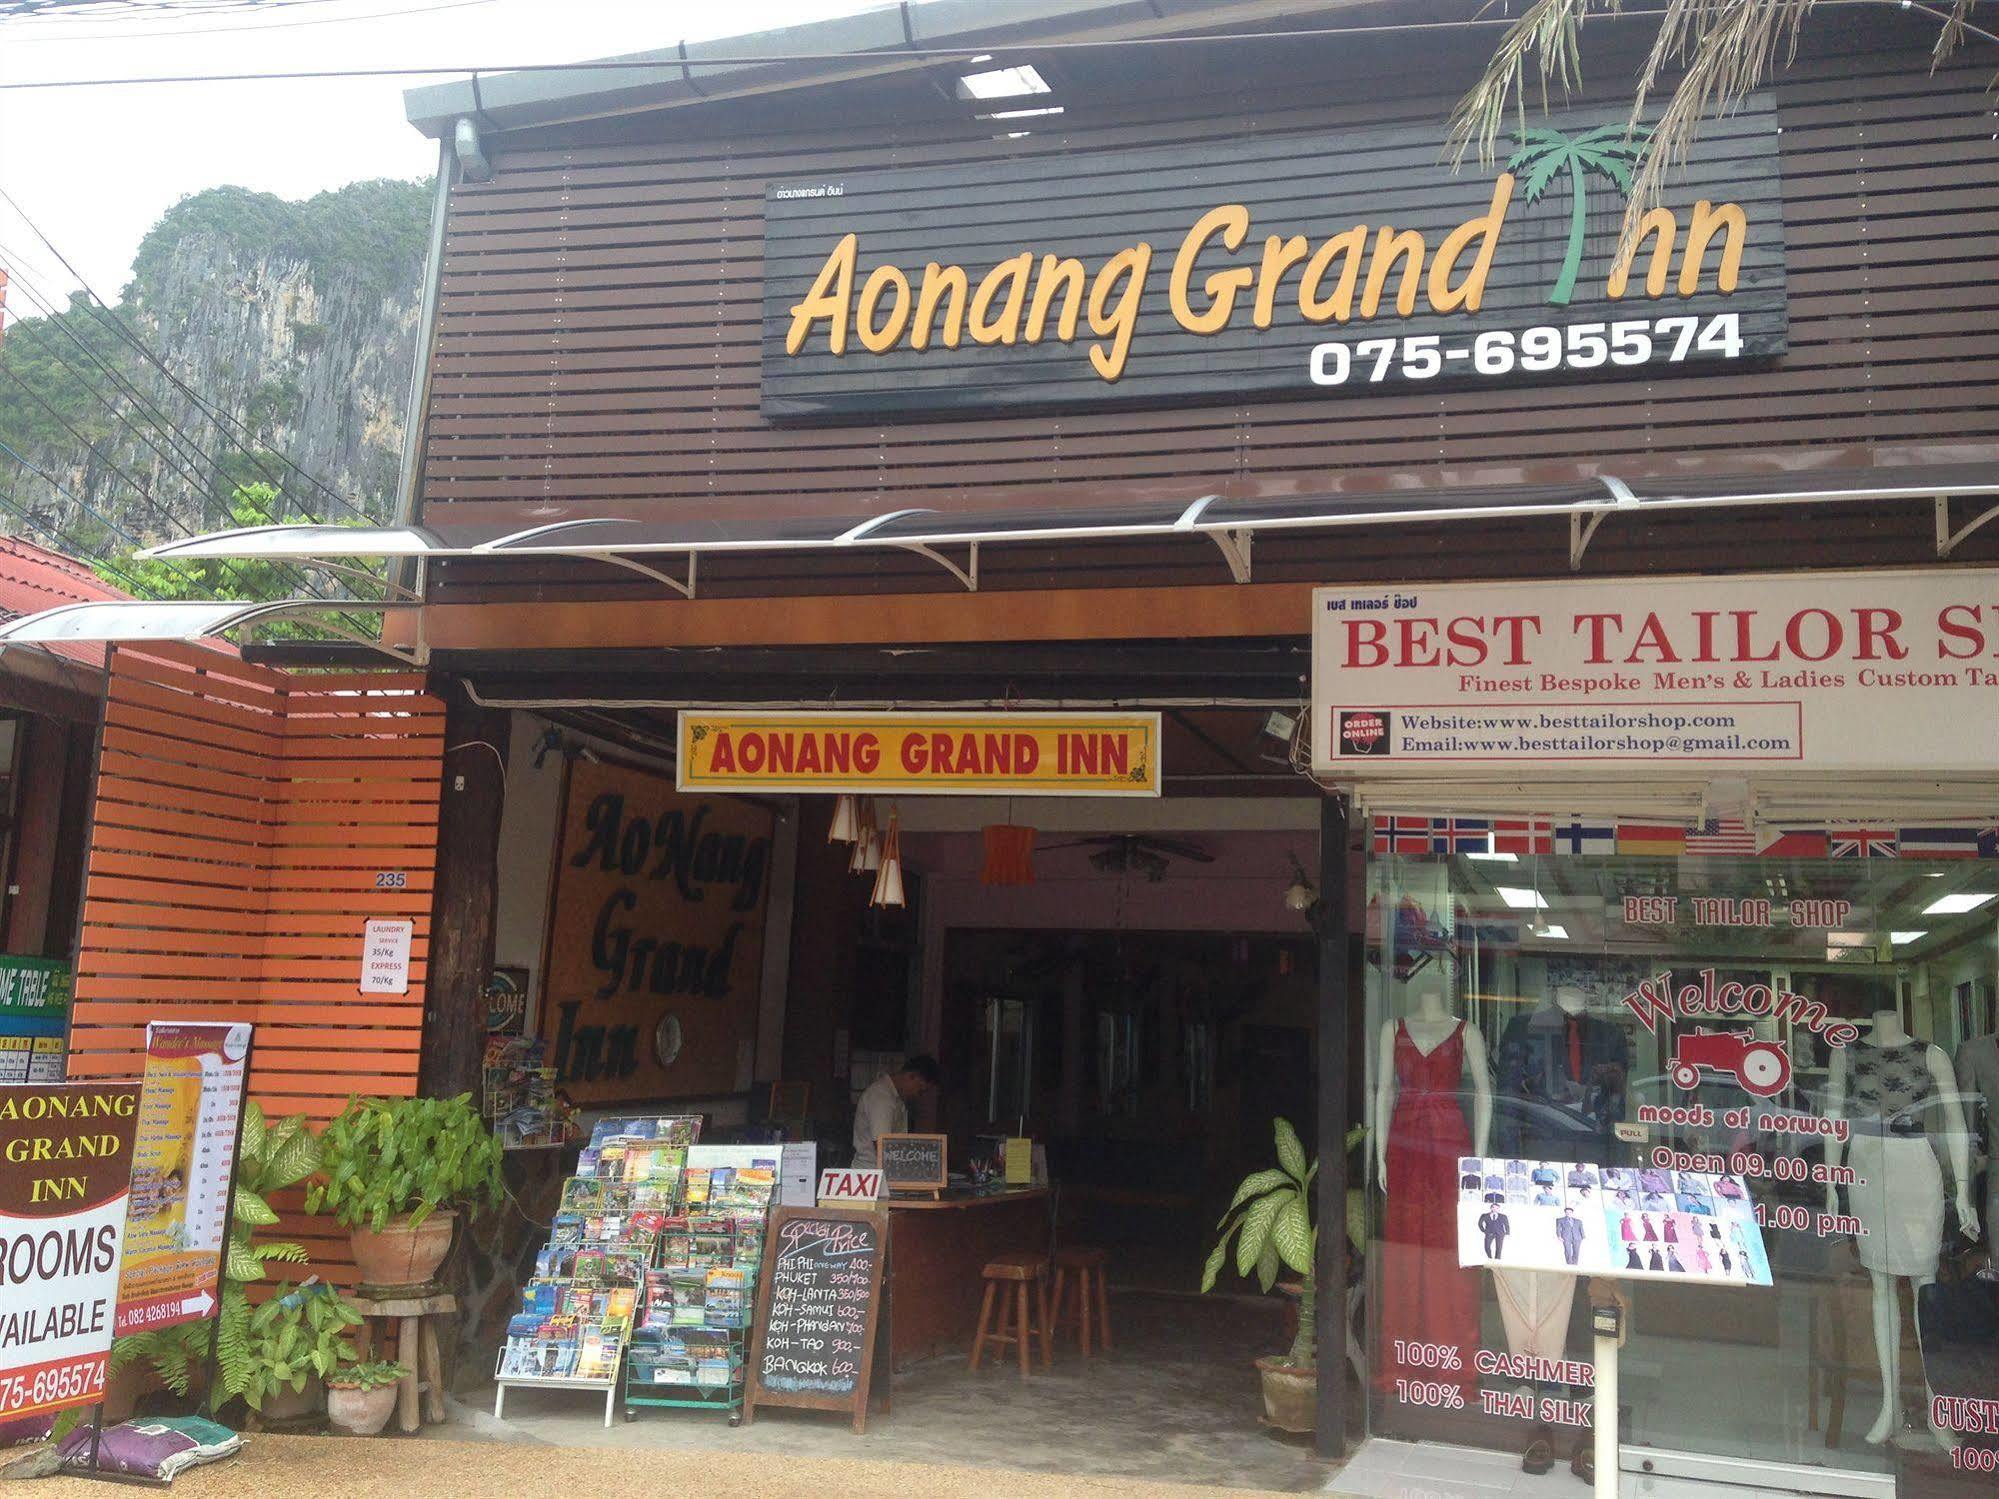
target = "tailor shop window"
x: 1759, y: 1092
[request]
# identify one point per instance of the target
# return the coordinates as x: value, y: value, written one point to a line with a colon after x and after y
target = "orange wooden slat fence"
x: 242, y: 816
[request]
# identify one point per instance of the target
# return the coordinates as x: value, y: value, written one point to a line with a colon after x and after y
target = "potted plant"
x: 1271, y: 1222
x: 289, y: 1346
x: 360, y: 1396
x: 394, y: 1171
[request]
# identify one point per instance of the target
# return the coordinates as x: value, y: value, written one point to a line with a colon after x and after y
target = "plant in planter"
x: 360, y: 1396
x: 269, y: 1158
x: 290, y: 1344
x: 1271, y: 1222
x: 395, y: 1170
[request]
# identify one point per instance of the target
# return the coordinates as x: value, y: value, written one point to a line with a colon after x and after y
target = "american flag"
x: 1863, y: 843
x: 1721, y: 835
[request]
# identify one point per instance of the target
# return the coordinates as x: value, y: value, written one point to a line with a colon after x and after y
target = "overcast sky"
x: 95, y: 167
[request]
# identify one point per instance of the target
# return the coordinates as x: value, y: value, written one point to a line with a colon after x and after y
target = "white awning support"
x: 968, y: 574
x: 1948, y: 540
x: 1582, y: 532
x: 141, y: 620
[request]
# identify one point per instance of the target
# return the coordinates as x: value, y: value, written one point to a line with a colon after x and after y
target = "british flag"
x: 1460, y: 835
x: 1864, y: 843
x: 1721, y: 835
x: 1402, y: 835
x: 1522, y: 835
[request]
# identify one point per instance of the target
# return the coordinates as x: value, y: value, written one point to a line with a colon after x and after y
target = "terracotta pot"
x: 400, y: 1255
x: 360, y: 1413
x: 286, y: 1404
x: 1290, y: 1396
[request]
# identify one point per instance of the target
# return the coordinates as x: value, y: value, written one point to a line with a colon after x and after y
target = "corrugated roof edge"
x: 658, y: 80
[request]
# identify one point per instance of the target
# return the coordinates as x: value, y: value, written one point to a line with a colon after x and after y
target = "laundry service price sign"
x: 65, y: 1176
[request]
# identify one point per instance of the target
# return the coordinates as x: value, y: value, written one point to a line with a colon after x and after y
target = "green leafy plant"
x: 298, y: 1333
x: 269, y: 1158
x: 1271, y: 1222
x: 368, y: 1376
x: 387, y: 1157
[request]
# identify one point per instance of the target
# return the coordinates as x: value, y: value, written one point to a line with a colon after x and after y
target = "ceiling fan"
x: 1136, y: 853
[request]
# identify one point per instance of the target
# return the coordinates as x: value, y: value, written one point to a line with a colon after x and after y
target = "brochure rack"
x: 688, y: 1349
x: 578, y: 1309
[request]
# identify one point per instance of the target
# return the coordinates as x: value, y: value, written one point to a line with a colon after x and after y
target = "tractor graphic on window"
x: 1762, y: 1067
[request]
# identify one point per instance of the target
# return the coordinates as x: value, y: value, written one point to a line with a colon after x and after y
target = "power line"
x: 224, y: 423
x: 94, y: 35
x: 56, y: 535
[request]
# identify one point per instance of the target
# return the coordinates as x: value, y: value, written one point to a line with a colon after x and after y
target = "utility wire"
x: 66, y: 543
x: 224, y: 423
x: 40, y: 35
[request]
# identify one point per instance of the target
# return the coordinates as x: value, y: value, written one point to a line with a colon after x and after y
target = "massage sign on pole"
x: 656, y: 932
x: 65, y: 1177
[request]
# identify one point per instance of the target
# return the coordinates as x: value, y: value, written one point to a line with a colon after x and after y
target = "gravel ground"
x: 275, y: 1467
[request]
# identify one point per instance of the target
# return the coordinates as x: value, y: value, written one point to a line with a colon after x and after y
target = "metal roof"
x: 888, y: 39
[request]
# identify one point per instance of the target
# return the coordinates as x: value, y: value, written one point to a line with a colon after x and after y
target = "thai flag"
x: 1584, y: 838
x: 1402, y: 835
x: 1939, y: 843
x: 1522, y: 835
x: 1721, y: 835
x: 1862, y: 843
x: 1461, y: 835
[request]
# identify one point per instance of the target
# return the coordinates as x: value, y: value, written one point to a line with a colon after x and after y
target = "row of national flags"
x: 1724, y: 837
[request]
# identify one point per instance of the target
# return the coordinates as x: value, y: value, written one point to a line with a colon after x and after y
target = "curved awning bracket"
x: 1948, y: 540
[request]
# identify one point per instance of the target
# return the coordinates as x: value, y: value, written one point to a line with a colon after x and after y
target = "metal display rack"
x: 648, y: 1379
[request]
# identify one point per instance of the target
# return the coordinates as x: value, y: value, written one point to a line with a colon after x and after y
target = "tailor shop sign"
x: 1880, y: 672
x: 1313, y: 266
x: 656, y: 930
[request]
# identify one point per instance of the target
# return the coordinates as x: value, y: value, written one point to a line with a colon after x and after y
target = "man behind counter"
x: 883, y: 1108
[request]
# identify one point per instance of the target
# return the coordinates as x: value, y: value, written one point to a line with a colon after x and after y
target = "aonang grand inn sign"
x: 1289, y: 266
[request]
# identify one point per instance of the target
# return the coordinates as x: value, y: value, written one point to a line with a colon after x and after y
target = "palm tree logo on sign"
x: 1613, y: 151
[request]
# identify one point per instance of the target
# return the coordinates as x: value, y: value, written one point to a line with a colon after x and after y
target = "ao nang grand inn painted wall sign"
x: 1286, y: 265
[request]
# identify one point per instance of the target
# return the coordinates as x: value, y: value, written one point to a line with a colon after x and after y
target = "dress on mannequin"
x: 1426, y: 1297
x: 1978, y: 1080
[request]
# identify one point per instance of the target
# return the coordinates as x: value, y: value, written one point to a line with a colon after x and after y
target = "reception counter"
x: 936, y: 1251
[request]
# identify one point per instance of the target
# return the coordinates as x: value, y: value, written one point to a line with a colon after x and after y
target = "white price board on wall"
x: 1893, y: 671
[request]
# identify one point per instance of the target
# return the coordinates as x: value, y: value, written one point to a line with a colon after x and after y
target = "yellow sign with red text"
x: 1012, y: 754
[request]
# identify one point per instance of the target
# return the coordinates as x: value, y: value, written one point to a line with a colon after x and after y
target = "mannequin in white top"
x: 1899, y: 1194
x: 1430, y: 1025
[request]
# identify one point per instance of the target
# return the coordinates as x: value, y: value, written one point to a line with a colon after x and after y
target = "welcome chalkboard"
x: 818, y: 1304
x: 913, y: 1163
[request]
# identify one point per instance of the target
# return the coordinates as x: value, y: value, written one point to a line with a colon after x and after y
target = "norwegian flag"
x: 1794, y: 843
x: 1522, y: 835
x: 1863, y: 843
x: 1402, y: 835
x: 1721, y: 835
x: 1460, y: 835
x: 1939, y: 843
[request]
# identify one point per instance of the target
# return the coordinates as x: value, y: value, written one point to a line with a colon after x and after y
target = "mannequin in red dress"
x: 1419, y: 1135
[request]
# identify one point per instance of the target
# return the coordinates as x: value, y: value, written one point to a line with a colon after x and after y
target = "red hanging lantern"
x: 1009, y: 855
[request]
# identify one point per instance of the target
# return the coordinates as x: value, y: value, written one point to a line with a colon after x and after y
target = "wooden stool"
x: 1009, y: 1278
x: 1087, y: 1261
x: 414, y: 1310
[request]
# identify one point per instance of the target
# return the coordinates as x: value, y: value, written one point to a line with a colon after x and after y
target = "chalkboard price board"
x: 818, y: 1304
x: 913, y: 1163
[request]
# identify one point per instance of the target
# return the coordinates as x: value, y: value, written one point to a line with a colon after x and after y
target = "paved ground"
x: 272, y: 1467
x: 1177, y: 1402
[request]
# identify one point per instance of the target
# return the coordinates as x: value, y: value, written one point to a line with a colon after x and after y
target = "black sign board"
x: 914, y: 1163
x: 1305, y: 265
x: 818, y: 1303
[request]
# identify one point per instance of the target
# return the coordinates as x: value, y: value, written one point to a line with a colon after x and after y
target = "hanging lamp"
x: 888, y: 881
x: 846, y: 825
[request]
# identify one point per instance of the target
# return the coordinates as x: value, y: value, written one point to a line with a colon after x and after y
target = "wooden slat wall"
x: 241, y: 817
x: 599, y: 327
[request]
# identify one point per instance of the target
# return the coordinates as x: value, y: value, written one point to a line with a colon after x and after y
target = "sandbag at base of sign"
x: 158, y: 1447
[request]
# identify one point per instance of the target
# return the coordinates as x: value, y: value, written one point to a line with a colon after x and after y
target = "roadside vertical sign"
x: 183, y: 1165
x: 65, y: 1176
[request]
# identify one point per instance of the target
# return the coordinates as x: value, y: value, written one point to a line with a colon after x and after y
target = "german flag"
x: 1651, y: 838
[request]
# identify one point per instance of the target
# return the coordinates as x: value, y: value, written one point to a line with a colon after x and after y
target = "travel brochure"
x: 1626, y: 1221
x: 653, y: 1251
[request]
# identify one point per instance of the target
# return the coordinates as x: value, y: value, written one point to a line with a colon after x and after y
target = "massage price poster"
x: 68, y: 1149
x: 1636, y: 1223
x: 190, y: 1104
